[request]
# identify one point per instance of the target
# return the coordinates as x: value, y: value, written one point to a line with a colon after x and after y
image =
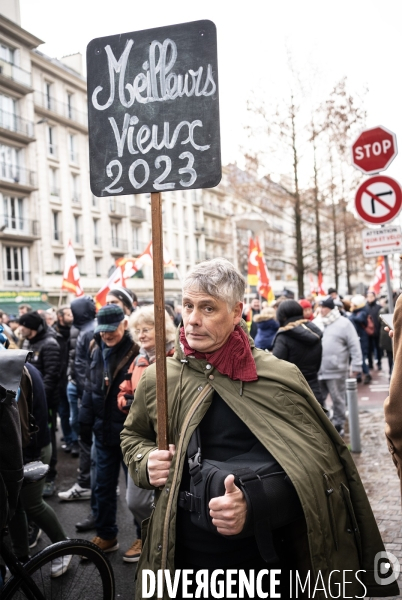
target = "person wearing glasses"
x: 142, y: 328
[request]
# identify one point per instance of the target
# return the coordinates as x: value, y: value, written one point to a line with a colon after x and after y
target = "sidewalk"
x: 380, y: 480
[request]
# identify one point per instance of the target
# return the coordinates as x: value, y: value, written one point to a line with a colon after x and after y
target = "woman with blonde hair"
x: 142, y: 327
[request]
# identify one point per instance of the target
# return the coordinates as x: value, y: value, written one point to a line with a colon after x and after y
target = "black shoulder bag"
x: 272, y: 501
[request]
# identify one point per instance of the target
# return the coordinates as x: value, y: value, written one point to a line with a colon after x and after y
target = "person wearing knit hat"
x: 122, y: 297
x: 30, y: 321
x: 359, y: 318
x: 307, y: 309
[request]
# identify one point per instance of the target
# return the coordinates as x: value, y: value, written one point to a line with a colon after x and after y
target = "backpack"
x: 370, y: 327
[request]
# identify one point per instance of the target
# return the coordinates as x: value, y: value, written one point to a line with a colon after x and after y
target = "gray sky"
x: 326, y: 40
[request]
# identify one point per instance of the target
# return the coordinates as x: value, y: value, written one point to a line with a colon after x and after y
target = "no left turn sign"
x: 378, y: 200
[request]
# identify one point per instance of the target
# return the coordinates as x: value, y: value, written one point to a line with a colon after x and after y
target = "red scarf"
x: 234, y: 359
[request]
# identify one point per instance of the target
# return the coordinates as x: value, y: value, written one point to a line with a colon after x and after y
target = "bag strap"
x: 252, y: 486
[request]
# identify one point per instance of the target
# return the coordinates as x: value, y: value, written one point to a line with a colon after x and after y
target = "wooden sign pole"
x: 160, y: 330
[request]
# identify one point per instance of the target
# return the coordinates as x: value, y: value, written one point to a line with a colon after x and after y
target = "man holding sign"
x: 235, y: 411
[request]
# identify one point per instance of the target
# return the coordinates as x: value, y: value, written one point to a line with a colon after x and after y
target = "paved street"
x: 374, y: 464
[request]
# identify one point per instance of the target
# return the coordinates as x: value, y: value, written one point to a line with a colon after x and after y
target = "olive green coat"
x: 283, y: 414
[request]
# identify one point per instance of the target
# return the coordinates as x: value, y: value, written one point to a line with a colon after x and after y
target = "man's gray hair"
x: 217, y: 278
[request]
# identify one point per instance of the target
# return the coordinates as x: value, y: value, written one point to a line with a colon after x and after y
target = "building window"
x: 77, y: 229
x: 8, y: 113
x: 72, y: 148
x: 16, y: 265
x: 10, y: 163
x: 51, y: 139
x: 13, y: 213
x: 48, y: 96
x: 137, y: 240
x: 8, y: 54
x: 98, y: 267
x: 95, y: 201
x: 96, y: 232
x: 56, y: 226
x: 115, y: 234
x: 58, y: 263
x: 75, y: 195
x: 69, y: 105
x: 54, y: 182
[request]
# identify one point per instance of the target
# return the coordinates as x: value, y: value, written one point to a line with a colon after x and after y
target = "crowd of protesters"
x: 85, y: 367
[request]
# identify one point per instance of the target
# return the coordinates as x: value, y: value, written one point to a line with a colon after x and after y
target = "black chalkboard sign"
x: 153, y: 110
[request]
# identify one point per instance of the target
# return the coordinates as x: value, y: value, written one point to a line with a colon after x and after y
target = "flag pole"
x: 159, y: 312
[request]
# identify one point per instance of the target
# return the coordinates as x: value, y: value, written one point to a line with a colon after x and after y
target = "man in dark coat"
x: 373, y: 309
x: 83, y: 310
x: 299, y: 341
x: 46, y: 358
x: 63, y: 327
x: 358, y: 317
x: 113, y: 352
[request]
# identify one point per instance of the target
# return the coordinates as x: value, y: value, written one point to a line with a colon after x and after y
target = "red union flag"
x: 116, y: 279
x: 379, y: 276
x: 252, y: 271
x: 264, y: 286
x: 374, y: 150
x: 71, y: 276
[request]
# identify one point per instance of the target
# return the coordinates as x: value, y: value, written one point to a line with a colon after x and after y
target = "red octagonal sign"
x: 374, y: 150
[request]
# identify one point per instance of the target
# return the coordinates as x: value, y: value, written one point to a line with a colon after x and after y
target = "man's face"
x: 307, y: 312
x: 27, y: 333
x: 22, y: 311
x: 67, y: 317
x: 13, y: 325
x: 334, y: 295
x: 110, y: 299
x: 370, y: 297
x: 324, y: 310
x: 207, y: 321
x: 4, y: 318
x: 112, y: 338
x: 255, y: 304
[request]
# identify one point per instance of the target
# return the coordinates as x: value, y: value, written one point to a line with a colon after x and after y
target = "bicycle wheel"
x: 90, y: 579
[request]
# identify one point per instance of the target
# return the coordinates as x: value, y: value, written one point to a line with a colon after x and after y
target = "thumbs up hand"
x: 229, y: 512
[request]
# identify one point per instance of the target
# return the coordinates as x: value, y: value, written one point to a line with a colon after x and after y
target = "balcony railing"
x: 216, y: 210
x: 78, y: 239
x: 19, y: 226
x: 119, y: 245
x: 12, y: 122
x: 16, y: 73
x: 52, y: 150
x: 17, y: 174
x: 16, y: 277
x: 55, y: 194
x: 57, y: 236
x: 137, y: 213
x: 76, y: 199
x: 117, y: 208
x: 61, y: 108
x: 138, y: 248
x: 73, y: 156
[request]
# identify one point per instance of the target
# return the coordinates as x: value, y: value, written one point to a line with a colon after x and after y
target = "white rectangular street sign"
x: 380, y: 242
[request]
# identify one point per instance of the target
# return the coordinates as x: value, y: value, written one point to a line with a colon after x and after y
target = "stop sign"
x: 374, y: 150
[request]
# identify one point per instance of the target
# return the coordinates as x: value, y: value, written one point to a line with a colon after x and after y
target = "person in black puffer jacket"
x: 81, y: 335
x: 299, y: 341
x: 112, y: 353
x: 46, y: 358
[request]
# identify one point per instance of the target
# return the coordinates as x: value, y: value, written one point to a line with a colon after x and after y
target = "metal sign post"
x: 153, y: 119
